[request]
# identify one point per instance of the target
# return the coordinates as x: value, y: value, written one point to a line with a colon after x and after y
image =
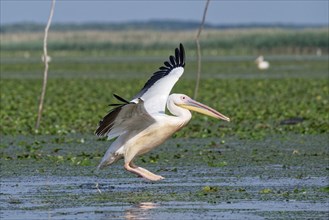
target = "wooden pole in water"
x: 198, y: 50
x: 45, y: 60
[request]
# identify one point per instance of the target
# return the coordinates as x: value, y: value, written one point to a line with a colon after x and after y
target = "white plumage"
x: 261, y: 63
x: 141, y: 124
x: 156, y: 97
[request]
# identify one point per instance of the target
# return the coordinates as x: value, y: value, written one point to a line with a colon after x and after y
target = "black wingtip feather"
x: 182, y: 54
x: 173, y: 62
x: 177, y: 55
x: 120, y: 98
x: 105, y: 125
x: 164, y: 68
x: 167, y: 64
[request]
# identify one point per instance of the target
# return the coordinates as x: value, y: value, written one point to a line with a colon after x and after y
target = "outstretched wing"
x: 135, y: 115
x: 125, y: 117
x: 156, y: 90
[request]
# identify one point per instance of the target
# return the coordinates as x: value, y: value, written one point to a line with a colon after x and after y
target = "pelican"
x: 261, y: 63
x: 141, y: 124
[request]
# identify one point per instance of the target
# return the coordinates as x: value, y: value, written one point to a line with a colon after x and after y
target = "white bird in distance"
x: 261, y: 63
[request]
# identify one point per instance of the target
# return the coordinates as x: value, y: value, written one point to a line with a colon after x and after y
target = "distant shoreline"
x: 159, y: 25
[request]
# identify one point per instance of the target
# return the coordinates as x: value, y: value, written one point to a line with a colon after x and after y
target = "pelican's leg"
x: 157, y: 177
x: 129, y: 166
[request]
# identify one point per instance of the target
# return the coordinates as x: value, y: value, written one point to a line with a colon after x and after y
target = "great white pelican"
x: 141, y: 124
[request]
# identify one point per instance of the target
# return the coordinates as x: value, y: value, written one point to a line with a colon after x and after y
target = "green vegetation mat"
x: 257, y: 102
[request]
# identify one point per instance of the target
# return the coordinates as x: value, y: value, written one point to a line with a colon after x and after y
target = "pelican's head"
x: 186, y: 102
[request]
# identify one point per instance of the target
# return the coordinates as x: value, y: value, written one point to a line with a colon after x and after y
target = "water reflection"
x: 140, y: 211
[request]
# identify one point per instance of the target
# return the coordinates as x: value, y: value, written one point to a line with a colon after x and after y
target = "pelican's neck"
x: 182, y: 114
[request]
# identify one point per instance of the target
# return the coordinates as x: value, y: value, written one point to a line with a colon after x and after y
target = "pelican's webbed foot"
x: 142, y: 172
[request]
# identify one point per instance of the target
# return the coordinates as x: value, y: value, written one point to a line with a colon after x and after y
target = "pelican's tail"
x: 108, y: 159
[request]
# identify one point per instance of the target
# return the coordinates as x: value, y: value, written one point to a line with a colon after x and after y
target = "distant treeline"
x: 161, y: 35
x: 279, y: 42
x: 171, y: 25
x: 275, y: 42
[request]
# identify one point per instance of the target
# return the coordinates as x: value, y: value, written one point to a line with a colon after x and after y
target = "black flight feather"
x: 114, y: 105
x: 120, y: 99
x: 166, y: 63
x: 106, y: 124
x: 163, y: 68
x: 172, y: 60
x: 177, y: 55
x: 182, y: 55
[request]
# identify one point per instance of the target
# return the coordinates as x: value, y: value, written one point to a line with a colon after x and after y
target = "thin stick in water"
x: 197, y: 40
x: 45, y: 60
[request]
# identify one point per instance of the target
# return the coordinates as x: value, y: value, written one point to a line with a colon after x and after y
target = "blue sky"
x: 219, y: 12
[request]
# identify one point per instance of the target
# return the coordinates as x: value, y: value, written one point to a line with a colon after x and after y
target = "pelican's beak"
x: 193, y: 105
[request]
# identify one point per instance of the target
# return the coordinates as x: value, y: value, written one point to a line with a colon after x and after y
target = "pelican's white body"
x: 140, y: 141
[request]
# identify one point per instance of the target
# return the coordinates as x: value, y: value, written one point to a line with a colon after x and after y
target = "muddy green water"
x: 55, y: 177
